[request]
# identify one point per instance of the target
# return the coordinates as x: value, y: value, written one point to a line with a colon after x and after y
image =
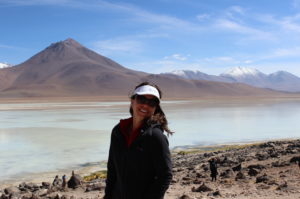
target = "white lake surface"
x: 42, y: 137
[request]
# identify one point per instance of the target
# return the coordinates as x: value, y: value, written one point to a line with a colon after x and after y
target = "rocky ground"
x: 267, y: 170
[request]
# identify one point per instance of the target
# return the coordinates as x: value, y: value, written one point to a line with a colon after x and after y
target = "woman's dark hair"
x: 158, y: 116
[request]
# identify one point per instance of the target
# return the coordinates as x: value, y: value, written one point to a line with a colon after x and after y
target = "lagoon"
x: 42, y: 137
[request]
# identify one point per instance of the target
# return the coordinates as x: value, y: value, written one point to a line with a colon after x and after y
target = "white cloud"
x: 160, y: 20
x: 34, y: 2
x: 12, y: 47
x: 283, y: 53
x: 252, y: 33
x: 118, y: 45
x: 237, y: 9
x: 202, y: 17
x: 176, y: 57
x: 233, y: 10
x: 285, y: 25
x: 220, y: 60
x: 248, y: 61
x: 287, y: 52
x: 6, y: 46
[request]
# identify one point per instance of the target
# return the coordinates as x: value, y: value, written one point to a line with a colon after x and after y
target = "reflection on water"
x: 51, y: 136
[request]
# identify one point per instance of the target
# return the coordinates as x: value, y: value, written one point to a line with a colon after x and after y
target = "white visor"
x: 147, y: 90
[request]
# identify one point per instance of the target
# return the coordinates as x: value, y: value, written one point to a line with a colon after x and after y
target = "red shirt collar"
x: 126, y: 130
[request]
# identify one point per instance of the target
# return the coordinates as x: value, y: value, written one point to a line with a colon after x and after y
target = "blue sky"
x: 160, y: 35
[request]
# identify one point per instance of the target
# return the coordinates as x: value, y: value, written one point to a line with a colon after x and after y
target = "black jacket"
x: 141, y: 171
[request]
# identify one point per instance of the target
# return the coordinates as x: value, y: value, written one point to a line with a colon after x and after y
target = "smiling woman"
x: 139, y: 163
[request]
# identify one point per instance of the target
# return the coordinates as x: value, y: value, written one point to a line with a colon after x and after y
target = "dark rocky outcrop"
x: 202, y: 188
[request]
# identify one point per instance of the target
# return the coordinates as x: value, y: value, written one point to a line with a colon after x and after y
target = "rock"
x: 184, y: 197
x: 280, y: 164
x: 227, y: 162
x: 240, y: 176
x: 197, y: 181
x: 28, y: 187
x: 27, y: 196
x: 227, y: 173
x: 14, y: 196
x: 262, y: 156
x: 42, y: 192
x: 216, y: 193
x: 205, y: 168
x: 200, y: 175
x: 30, y: 196
x: 207, y: 155
x: 34, y: 196
x: 190, y: 168
x: 11, y: 190
x: 295, y: 159
x: 201, y: 188
x: 282, y: 186
x: 256, y: 166
x: 95, y: 187
x: 46, y: 185
x: 264, y: 178
x: 237, y: 168
x: 4, y: 196
x: 75, y: 181
x: 263, y: 186
x: 54, y: 196
x: 253, y: 172
x: 267, y: 144
x: 273, y: 153
x: 186, y: 178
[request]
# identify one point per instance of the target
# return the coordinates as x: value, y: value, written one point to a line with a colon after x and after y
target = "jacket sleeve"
x: 111, y: 172
x: 162, y: 164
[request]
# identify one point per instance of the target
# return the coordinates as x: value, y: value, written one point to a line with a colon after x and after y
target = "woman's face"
x: 143, y: 106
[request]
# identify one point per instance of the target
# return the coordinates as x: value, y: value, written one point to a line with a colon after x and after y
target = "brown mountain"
x: 69, y: 69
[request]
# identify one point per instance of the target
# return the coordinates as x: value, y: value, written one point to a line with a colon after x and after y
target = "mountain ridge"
x: 68, y: 69
x: 280, y: 80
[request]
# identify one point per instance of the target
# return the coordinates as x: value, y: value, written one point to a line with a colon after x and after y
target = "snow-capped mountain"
x: 197, y: 75
x: 280, y: 80
x: 5, y: 65
x: 239, y: 72
x: 246, y: 75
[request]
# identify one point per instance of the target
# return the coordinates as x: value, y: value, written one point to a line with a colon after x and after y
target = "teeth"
x: 142, y: 110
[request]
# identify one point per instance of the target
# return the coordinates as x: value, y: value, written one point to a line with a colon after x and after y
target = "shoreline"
x: 83, y: 171
x: 246, y: 99
x: 49, y: 176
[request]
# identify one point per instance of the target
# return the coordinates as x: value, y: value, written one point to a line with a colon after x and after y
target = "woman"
x: 139, y: 163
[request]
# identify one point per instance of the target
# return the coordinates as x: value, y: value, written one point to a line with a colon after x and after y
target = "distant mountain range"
x: 68, y: 69
x: 281, y: 80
